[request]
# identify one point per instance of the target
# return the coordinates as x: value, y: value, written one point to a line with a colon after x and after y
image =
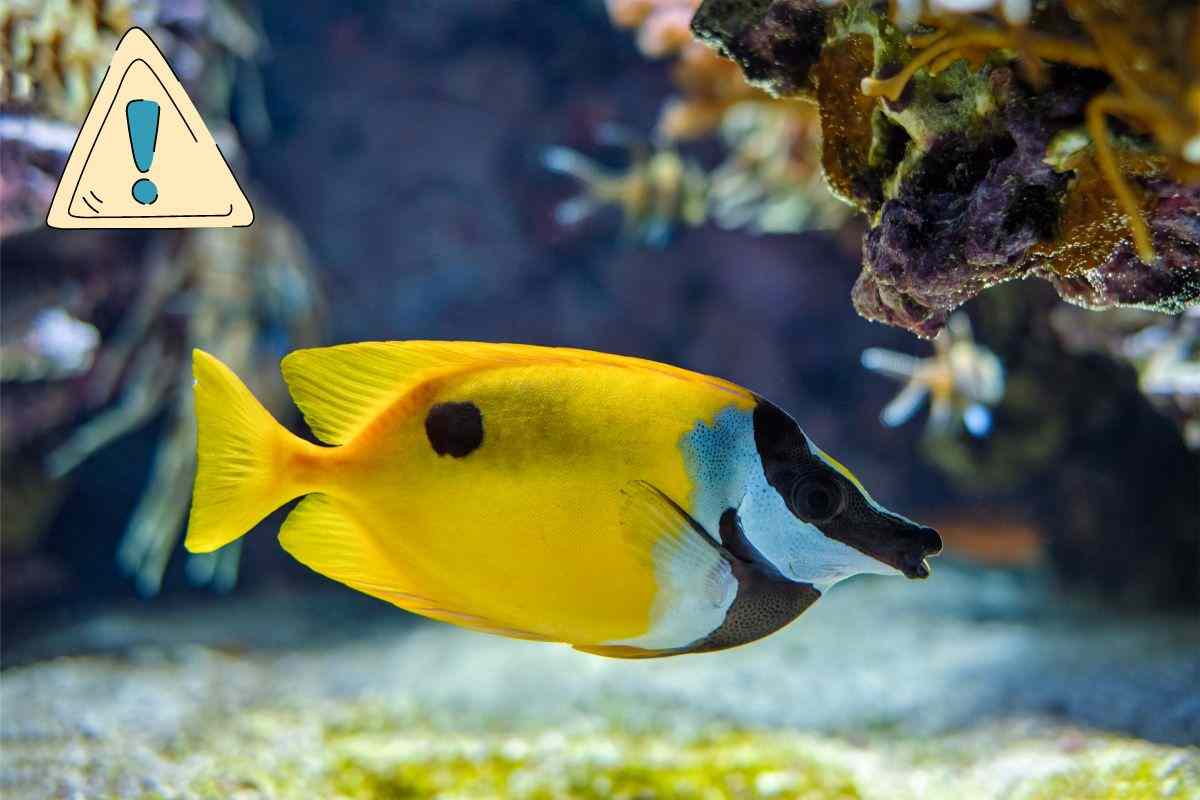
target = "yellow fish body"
x: 625, y: 507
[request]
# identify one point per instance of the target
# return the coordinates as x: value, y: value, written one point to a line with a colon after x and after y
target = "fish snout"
x: 890, y: 539
x: 929, y: 540
x: 922, y: 543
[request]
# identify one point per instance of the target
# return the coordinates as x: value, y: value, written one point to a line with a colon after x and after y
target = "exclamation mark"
x: 142, y: 117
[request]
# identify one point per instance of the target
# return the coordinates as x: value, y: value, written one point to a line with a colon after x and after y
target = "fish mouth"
x: 888, y: 538
x: 905, y: 547
x: 913, y: 560
x: 919, y: 571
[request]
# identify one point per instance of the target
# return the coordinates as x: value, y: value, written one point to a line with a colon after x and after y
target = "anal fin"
x: 624, y: 651
x: 324, y: 535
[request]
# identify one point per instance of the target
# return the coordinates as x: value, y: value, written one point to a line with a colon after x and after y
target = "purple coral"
x: 1171, y: 283
x: 775, y: 42
x: 971, y: 201
x: 965, y: 218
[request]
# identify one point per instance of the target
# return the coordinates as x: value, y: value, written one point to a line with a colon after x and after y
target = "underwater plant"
x: 96, y: 350
x: 53, y: 57
x: 769, y: 178
x: 659, y: 190
x: 962, y: 380
x: 54, y: 346
x: 760, y: 186
x: 97, y: 327
x: 770, y: 181
x: 1088, y: 439
x: 1164, y: 351
x: 989, y: 142
x: 709, y: 85
x: 55, y: 54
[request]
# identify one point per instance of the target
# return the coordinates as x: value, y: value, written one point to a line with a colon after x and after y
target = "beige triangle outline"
x: 136, y: 45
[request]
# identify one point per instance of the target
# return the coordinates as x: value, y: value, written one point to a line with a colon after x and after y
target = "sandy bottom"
x: 970, y: 684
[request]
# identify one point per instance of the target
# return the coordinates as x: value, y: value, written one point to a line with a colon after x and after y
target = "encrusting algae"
x: 975, y: 135
x: 1153, y: 85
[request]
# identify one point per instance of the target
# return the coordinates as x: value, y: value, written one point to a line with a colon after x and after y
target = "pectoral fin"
x: 659, y: 530
x: 692, y: 573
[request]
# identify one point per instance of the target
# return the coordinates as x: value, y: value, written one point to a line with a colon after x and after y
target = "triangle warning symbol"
x: 144, y: 158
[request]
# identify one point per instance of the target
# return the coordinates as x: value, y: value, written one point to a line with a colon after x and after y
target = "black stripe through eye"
x: 817, y: 498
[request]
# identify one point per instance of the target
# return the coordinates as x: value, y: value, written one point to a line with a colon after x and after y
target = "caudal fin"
x: 241, y: 458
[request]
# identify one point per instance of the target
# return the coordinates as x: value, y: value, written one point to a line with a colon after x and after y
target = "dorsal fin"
x: 341, y: 389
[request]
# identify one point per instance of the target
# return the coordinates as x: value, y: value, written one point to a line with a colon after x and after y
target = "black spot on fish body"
x: 454, y: 429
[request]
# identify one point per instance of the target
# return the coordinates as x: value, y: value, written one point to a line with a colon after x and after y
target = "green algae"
x: 363, y: 754
x: 1141, y: 779
x: 372, y: 748
x: 588, y: 767
x: 438, y: 712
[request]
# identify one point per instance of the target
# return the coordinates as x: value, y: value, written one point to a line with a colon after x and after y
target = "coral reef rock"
x: 984, y: 149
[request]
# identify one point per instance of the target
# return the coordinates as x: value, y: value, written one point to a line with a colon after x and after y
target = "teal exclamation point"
x: 142, y: 116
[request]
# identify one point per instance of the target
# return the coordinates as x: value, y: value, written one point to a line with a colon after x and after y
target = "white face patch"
x: 717, y: 458
x: 696, y: 589
x: 727, y: 472
x: 798, y: 549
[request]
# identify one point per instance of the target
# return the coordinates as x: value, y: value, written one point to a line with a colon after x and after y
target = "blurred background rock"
x: 396, y: 159
x: 98, y: 326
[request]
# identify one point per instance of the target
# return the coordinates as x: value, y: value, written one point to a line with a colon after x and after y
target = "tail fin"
x: 239, y: 459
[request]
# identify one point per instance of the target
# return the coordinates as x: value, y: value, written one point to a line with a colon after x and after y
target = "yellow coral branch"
x: 1048, y: 47
x: 1100, y: 107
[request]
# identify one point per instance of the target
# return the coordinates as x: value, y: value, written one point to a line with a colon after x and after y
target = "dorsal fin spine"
x: 340, y: 389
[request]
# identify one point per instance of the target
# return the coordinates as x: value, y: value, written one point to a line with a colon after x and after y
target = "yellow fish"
x: 622, y: 506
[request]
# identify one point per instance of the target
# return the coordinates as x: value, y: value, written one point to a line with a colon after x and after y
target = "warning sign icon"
x: 144, y: 158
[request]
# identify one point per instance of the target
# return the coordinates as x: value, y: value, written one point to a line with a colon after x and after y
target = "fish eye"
x: 818, y: 498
